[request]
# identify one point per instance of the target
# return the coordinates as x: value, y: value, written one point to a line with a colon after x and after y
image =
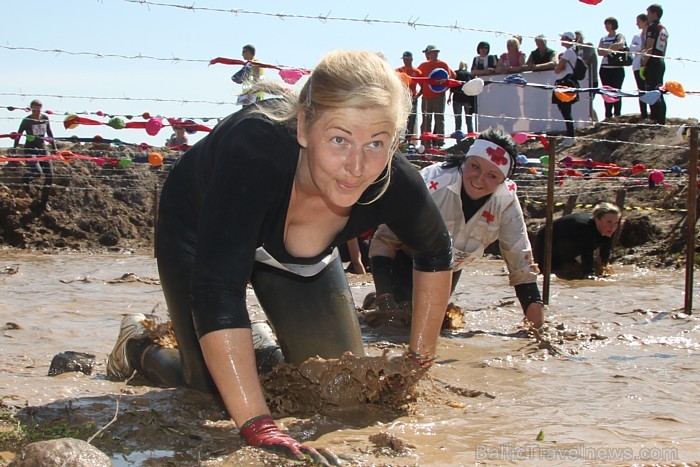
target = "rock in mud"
x: 64, y: 452
x: 72, y: 361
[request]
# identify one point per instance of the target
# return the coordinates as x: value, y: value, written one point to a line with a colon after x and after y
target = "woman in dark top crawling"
x: 265, y: 198
x: 580, y: 234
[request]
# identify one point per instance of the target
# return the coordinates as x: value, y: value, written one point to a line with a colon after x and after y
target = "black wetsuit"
x: 228, y: 196
x: 574, y: 235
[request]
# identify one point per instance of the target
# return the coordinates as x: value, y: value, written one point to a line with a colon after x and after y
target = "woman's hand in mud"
x: 262, y: 432
x: 423, y: 362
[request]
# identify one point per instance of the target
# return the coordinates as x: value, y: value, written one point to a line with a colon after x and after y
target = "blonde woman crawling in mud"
x: 266, y: 198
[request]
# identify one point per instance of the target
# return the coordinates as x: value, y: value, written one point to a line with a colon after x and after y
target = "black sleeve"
x: 247, y: 175
x: 587, y: 257
x: 416, y: 220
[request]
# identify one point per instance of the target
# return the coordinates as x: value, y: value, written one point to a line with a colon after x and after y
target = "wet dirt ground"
x: 612, y: 380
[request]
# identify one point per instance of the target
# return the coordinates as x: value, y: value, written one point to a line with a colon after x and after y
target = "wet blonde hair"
x: 345, y: 79
x: 602, y: 209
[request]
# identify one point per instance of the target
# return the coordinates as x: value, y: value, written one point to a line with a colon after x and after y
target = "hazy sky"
x: 131, y: 28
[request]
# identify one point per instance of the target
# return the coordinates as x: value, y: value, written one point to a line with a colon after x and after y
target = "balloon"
x: 565, y: 96
x: 656, y: 176
x: 675, y: 88
x: 154, y: 125
x: 126, y: 162
x: 515, y: 79
x: 438, y: 73
x: 544, y: 160
x: 590, y: 2
x: 520, y: 138
x: 155, y: 159
x: 100, y: 113
x: 10, y: 108
x: 292, y: 75
x: 420, y: 149
x: 71, y: 122
x: 190, y: 127
x: 458, y: 135
x: 521, y: 159
x: 608, y: 98
x: 567, y: 161
x: 116, y: 123
x: 639, y: 168
x: 650, y: 97
x: 146, y: 116
x: 473, y: 87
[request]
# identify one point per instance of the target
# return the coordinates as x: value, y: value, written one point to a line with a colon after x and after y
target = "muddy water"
x: 618, y: 384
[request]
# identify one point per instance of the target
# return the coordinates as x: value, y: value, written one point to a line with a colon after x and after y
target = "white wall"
x: 526, y: 103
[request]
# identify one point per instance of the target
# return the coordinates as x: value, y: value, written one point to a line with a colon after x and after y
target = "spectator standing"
x: 179, y: 138
x: 542, y: 58
x: 37, y: 128
x: 513, y: 60
x: 484, y: 64
x: 461, y: 103
x: 252, y: 78
x: 433, y: 103
x: 589, y: 56
x: 637, y: 45
x: 653, y: 67
x: 412, y: 72
x: 563, y: 73
x: 612, y: 73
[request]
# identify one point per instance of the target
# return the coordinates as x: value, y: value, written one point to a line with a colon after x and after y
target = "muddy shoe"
x: 118, y: 367
x: 267, y: 352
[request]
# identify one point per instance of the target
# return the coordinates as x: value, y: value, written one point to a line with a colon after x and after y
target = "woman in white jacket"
x: 637, y: 46
x: 479, y: 205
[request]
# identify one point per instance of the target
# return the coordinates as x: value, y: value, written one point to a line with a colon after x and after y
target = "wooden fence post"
x: 692, y: 218
x: 549, y: 228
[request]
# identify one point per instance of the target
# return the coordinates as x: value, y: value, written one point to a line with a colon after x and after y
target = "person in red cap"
x: 411, y: 71
x: 433, y: 103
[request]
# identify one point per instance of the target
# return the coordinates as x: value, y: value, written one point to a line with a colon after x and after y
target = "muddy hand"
x: 262, y: 432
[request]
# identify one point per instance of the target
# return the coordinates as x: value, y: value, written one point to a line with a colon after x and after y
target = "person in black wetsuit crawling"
x: 266, y: 198
x: 580, y: 234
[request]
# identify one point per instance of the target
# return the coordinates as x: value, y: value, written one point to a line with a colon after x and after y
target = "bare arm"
x: 356, y: 256
x: 230, y: 359
x: 431, y: 292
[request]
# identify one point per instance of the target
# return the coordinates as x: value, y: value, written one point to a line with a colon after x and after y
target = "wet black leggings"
x: 312, y: 316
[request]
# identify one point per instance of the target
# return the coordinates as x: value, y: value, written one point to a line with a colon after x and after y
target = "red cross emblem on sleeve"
x: 497, y: 155
x: 489, y: 217
x: 433, y: 185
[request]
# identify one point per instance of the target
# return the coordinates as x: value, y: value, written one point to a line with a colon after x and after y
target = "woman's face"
x: 641, y: 24
x: 512, y: 47
x: 609, y: 27
x: 483, y: 50
x: 481, y: 177
x: 344, y: 151
x: 607, y: 224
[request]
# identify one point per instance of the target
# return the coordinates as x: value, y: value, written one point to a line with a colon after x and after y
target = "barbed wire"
x: 122, y: 98
x: 411, y: 22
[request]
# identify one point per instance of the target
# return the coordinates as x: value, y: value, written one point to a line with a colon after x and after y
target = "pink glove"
x: 262, y: 432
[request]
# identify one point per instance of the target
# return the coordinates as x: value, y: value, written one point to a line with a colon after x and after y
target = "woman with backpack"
x: 564, y: 74
x: 612, y: 66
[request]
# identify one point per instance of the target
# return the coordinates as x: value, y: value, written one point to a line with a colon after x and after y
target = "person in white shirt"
x: 637, y: 46
x: 479, y: 204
